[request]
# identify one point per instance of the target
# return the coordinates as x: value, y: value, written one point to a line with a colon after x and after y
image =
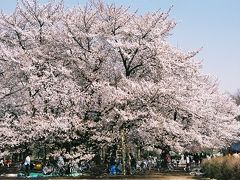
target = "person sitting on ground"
x: 47, y: 169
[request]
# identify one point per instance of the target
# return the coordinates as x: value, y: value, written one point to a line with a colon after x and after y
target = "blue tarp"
x: 235, y: 147
x: 39, y: 174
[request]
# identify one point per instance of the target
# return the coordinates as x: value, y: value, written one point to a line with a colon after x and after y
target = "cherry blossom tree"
x: 236, y: 97
x: 79, y: 78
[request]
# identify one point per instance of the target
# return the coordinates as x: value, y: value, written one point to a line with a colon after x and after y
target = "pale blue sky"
x: 211, y: 24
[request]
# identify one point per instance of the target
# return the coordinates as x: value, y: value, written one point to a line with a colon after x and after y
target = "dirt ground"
x: 160, y: 176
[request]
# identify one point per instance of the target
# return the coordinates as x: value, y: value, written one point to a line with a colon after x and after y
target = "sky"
x: 213, y: 25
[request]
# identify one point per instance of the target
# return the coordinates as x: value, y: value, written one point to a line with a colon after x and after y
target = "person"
x: 60, y: 161
x: 60, y: 164
x: 168, y: 162
x: 119, y: 166
x: 113, y: 170
x: 112, y: 166
x: 1, y: 162
x: 8, y: 162
x: 187, y: 163
x: 27, y: 165
x: 133, y: 164
x: 47, y: 169
x: 196, y: 159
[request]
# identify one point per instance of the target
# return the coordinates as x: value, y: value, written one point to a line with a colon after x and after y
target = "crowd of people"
x: 60, y: 165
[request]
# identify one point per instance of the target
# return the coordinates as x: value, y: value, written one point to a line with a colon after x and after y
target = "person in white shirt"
x: 1, y: 162
x: 188, y: 163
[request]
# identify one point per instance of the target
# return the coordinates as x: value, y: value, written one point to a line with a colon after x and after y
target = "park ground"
x: 159, y: 176
x: 155, y: 176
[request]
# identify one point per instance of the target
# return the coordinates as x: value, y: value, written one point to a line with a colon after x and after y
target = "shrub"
x: 226, y: 167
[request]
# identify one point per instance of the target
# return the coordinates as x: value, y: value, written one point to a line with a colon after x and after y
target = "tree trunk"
x: 123, y: 152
